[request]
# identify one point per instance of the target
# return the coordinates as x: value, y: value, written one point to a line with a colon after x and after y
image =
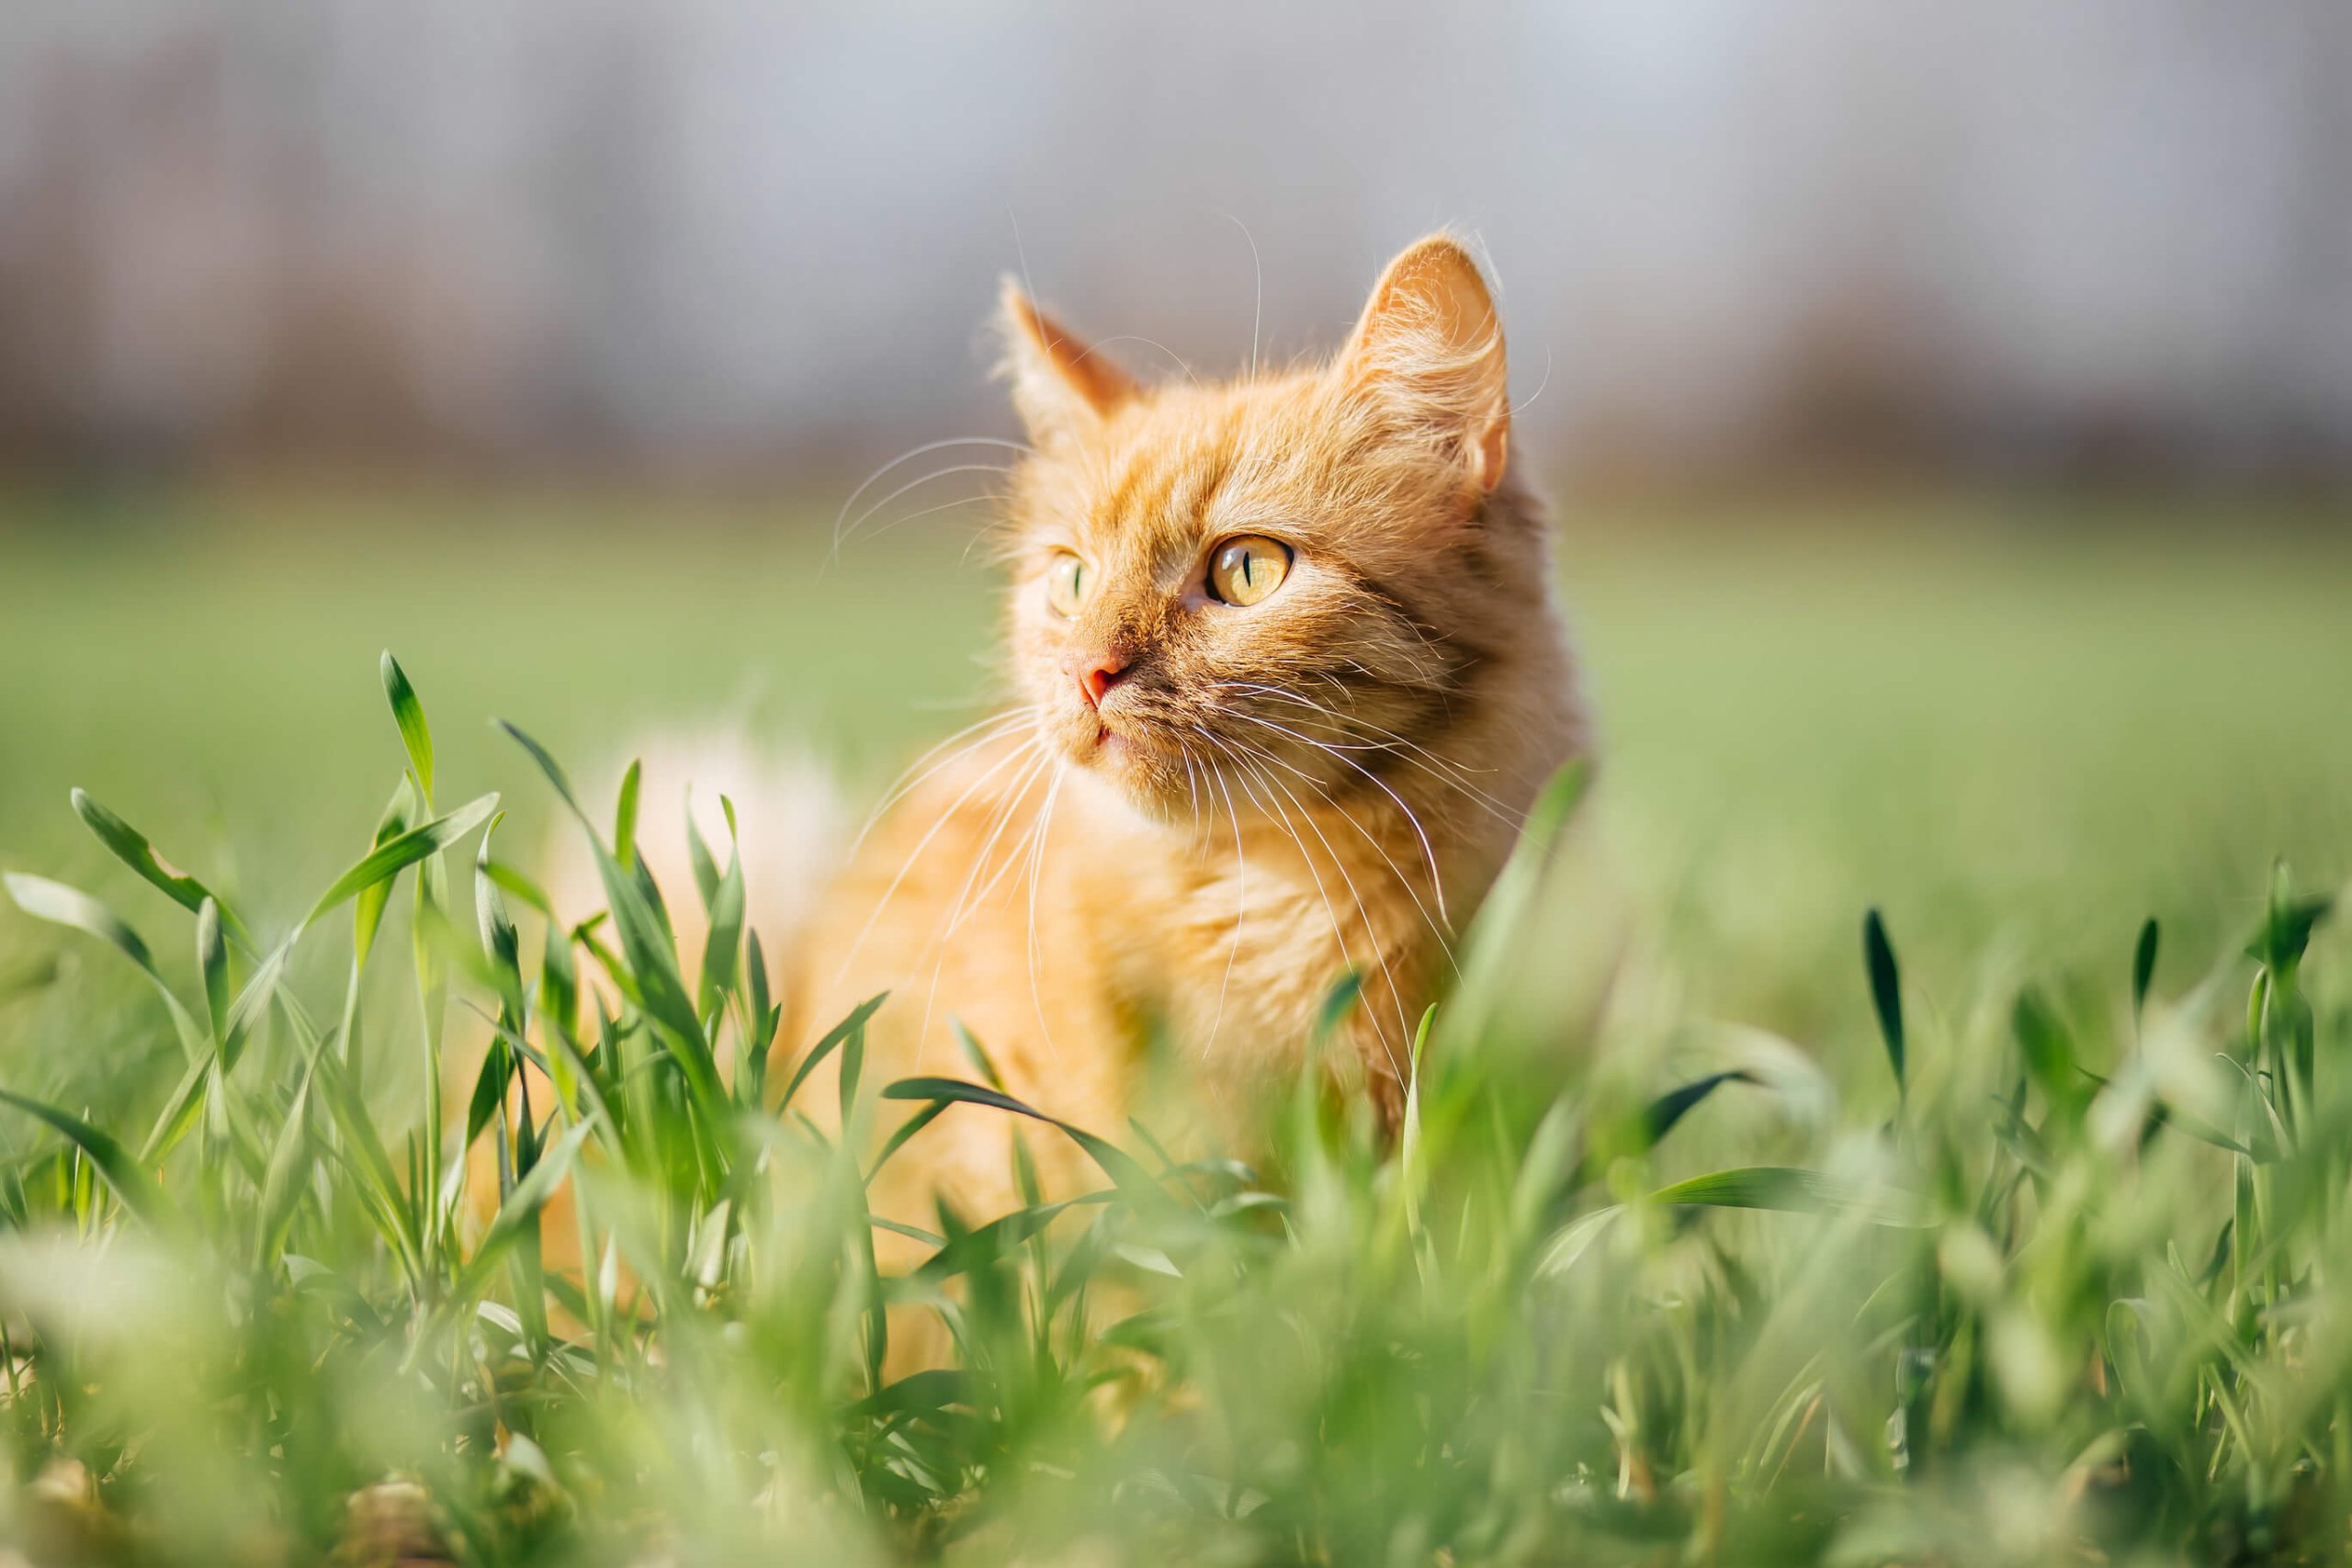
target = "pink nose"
x: 1096, y: 672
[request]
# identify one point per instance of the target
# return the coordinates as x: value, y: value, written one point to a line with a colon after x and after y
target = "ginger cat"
x: 1288, y: 674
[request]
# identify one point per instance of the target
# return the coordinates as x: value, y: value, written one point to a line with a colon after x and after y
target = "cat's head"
x: 1249, y: 595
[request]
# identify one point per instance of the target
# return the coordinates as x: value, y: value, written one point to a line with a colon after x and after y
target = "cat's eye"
x: 1244, y: 570
x: 1066, y: 583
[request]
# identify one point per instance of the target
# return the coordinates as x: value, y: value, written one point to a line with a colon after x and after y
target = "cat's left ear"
x: 1060, y: 385
x: 1429, y: 348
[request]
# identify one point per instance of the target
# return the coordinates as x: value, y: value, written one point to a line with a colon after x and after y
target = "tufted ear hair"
x: 1060, y: 385
x: 1429, y: 349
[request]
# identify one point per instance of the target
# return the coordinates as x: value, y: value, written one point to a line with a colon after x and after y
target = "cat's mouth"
x: 1125, y: 750
x: 1116, y: 744
x: 1120, y: 743
x: 1131, y: 750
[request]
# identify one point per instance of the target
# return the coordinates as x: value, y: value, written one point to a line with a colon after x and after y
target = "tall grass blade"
x: 70, y: 906
x: 1886, y: 991
x: 390, y: 858
x: 212, y: 967
x: 367, y: 906
x: 1487, y: 947
x: 722, y: 950
x: 137, y: 1189
x: 549, y: 766
x: 416, y: 735
x: 1786, y: 1188
x: 1115, y: 1162
x: 852, y: 1024
x: 521, y: 1208
x: 2143, y: 965
x: 625, y: 815
x: 130, y: 846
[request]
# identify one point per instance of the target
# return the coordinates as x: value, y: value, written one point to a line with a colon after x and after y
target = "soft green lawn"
x: 2017, y: 726
x: 2014, y: 1251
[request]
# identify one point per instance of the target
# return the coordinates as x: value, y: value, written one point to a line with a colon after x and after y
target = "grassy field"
x: 2022, y: 1277
x: 2019, y: 733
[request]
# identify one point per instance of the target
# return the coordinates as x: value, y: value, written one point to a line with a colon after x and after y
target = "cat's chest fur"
x: 1234, y: 939
x: 1041, y: 917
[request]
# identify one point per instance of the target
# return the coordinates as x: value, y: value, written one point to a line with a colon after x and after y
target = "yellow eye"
x: 1067, y: 581
x: 1244, y: 570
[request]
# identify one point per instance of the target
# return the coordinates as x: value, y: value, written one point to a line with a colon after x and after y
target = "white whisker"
x: 1257, y: 288
x: 905, y: 458
x: 1036, y: 867
x: 841, y: 537
x: 914, y: 854
x: 918, y: 516
x: 1439, y: 929
x: 1437, y: 878
x: 1000, y: 817
x: 1444, y: 771
x: 1240, y: 908
x: 1379, y: 949
x: 904, y: 785
x: 1149, y: 342
x: 1339, y: 930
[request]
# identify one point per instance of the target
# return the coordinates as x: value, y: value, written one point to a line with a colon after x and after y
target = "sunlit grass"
x: 2018, y: 1237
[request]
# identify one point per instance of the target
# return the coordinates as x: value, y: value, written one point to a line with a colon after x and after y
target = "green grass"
x: 1976, y: 1258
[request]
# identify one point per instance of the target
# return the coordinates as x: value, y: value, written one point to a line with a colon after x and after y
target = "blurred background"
x: 2107, y: 239
x: 1949, y: 409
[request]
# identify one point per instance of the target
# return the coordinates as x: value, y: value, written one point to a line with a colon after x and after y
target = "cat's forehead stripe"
x: 1155, y: 503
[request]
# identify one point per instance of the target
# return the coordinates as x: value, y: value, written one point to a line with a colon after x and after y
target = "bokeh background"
x: 1948, y: 411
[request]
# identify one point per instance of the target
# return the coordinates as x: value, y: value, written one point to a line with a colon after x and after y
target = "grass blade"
x: 852, y: 1024
x: 979, y: 1247
x: 63, y: 906
x: 1650, y: 1128
x: 367, y: 910
x: 549, y: 766
x: 500, y: 944
x: 253, y: 1003
x: 130, y: 846
x: 2143, y: 965
x: 624, y: 814
x: 522, y: 1205
x: 288, y: 1172
x: 1886, y: 991
x: 722, y: 950
x: 390, y: 858
x: 212, y: 964
x: 1788, y: 1189
x: 1117, y: 1163
x: 137, y: 1189
x: 2048, y: 1053
x: 416, y: 735
x: 1338, y: 1002
x: 1487, y: 947
x: 180, y: 1111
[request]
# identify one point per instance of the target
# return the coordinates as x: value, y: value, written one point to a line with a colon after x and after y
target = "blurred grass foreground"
x: 2007, y: 1225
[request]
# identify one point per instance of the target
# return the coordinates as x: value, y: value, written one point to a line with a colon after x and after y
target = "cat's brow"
x: 1125, y: 503
x: 1164, y: 494
x: 1203, y: 476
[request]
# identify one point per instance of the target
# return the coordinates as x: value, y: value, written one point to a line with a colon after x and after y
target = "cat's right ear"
x: 1428, y: 351
x: 1062, y: 386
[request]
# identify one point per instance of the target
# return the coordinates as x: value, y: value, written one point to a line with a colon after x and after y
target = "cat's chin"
x: 1144, y: 778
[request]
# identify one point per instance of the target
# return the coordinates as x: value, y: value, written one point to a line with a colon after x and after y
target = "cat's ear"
x: 1060, y: 385
x: 1429, y: 348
